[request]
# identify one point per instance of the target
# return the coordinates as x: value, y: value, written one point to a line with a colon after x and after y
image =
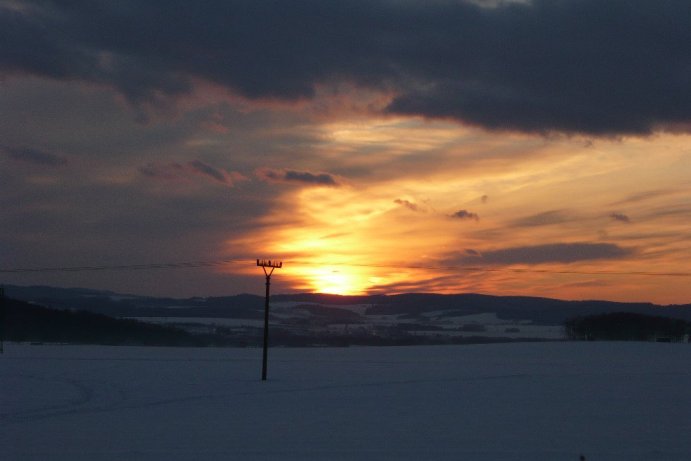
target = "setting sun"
x: 336, y: 281
x: 336, y: 278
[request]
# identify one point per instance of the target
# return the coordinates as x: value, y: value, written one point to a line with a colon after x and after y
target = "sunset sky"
x: 536, y: 148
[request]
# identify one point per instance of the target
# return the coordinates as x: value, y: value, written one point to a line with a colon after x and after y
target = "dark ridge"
x: 541, y: 311
x: 24, y: 322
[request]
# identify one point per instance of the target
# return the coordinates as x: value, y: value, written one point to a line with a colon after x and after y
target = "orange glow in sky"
x: 416, y: 227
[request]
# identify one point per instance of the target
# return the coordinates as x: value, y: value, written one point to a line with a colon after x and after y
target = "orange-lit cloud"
x: 547, y: 229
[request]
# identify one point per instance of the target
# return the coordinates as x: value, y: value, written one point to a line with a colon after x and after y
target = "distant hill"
x: 125, y: 305
x: 322, y: 319
x: 24, y: 322
x: 541, y: 311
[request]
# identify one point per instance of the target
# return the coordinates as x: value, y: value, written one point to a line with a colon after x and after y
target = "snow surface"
x: 533, y: 401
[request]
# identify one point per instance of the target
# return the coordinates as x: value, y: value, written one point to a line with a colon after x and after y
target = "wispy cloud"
x: 35, y: 156
x: 546, y: 218
x: 645, y: 195
x: 182, y: 171
x: 205, y: 169
x: 547, y: 253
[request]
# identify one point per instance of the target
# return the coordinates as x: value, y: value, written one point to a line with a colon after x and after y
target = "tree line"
x: 24, y: 322
x: 627, y: 326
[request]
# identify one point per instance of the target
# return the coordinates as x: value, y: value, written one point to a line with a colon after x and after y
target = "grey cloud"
x: 178, y: 171
x: 548, y: 253
x: 465, y: 214
x: 35, y: 156
x: 575, y: 66
x: 323, y: 179
x: 208, y: 170
x: 299, y: 177
x: 620, y: 217
x: 408, y: 204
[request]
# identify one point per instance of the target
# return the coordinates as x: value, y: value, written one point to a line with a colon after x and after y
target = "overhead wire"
x: 222, y: 262
x: 125, y: 267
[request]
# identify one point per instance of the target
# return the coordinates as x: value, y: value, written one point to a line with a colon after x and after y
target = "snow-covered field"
x: 537, y: 401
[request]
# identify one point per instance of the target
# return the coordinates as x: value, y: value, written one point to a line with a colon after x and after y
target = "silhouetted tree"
x: 25, y: 322
x: 626, y: 326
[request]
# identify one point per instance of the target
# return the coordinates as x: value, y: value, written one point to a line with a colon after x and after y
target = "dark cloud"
x: 408, y: 204
x: 620, y: 217
x: 582, y: 66
x: 296, y: 177
x: 322, y: 179
x: 205, y: 169
x: 35, y: 156
x: 465, y: 214
x: 180, y: 171
x: 548, y: 253
x: 576, y: 66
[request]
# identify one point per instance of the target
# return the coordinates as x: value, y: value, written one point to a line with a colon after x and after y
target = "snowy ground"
x: 541, y: 401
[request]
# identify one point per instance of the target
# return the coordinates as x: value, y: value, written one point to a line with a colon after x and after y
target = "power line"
x: 125, y: 267
x: 501, y: 269
x: 222, y: 262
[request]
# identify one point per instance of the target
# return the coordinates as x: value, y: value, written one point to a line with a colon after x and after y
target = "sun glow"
x: 338, y: 281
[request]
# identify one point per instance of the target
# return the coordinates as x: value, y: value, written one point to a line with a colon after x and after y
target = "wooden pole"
x: 2, y: 320
x: 263, y: 263
x: 265, y: 353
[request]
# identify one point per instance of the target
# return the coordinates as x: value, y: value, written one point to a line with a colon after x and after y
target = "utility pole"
x: 264, y: 263
x: 2, y: 320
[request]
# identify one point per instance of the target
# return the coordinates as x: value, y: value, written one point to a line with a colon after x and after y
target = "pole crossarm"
x: 269, y: 263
